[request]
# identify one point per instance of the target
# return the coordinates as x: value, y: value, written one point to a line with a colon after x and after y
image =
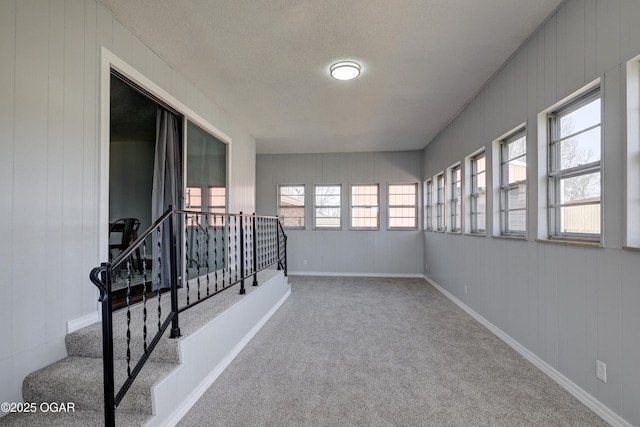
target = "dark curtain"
x: 167, y: 191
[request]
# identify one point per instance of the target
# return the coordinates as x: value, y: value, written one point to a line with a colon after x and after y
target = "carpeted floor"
x: 346, y: 351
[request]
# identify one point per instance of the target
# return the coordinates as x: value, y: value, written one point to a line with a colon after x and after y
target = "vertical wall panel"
x: 629, y: 28
x: 561, y: 51
x: 550, y: 61
x: 613, y: 157
x: 29, y: 191
x: 90, y: 176
x: 73, y: 151
x: 607, y: 35
x: 55, y: 166
x: 575, y: 47
x: 590, y: 40
x: 630, y: 317
x: 609, y: 327
x: 7, y: 117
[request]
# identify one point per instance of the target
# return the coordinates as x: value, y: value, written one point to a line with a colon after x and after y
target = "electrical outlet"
x: 426, y: 266
x: 601, y: 371
x: 304, y: 262
x: 465, y: 289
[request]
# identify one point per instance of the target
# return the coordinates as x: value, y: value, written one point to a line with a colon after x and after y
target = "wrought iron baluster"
x: 206, y: 221
x: 159, y: 286
x: 235, y: 244
x: 144, y: 294
x: 198, y: 260
x: 128, y: 302
x: 215, y: 251
x: 224, y: 244
x: 186, y: 252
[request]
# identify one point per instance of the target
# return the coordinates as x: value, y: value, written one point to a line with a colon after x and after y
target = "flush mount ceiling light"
x: 345, y: 70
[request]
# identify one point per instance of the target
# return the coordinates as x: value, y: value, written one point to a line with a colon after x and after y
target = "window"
x: 328, y: 206
x: 291, y: 205
x: 217, y: 204
x: 440, y: 224
x: 478, y: 194
x: 193, y: 202
x: 364, y: 206
x: 575, y: 182
x: 403, y: 205
x: 428, y: 205
x: 454, y: 201
x: 513, y: 184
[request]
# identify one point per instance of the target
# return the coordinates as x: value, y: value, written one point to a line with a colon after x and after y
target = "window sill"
x: 476, y: 234
x: 631, y: 248
x: 571, y: 243
x: 455, y: 233
x: 507, y: 237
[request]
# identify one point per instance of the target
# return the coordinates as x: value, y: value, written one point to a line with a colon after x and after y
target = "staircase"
x: 178, y: 370
x: 77, y: 380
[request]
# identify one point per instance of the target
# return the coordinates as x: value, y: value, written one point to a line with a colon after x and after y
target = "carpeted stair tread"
x: 87, y: 342
x: 79, y: 380
x: 77, y: 418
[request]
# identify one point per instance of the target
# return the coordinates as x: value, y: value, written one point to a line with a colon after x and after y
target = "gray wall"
x: 329, y: 251
x: 568, y: 305
x: 49, y: 168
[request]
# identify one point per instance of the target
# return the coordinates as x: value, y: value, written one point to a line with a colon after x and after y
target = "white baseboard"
x: 589, y: 401
x: 84, y: 321
x: 338, y: 274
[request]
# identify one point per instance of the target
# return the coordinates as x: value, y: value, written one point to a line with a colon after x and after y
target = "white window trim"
x: 315, y: 227
x: 279, y: 206
x: 441, y: 205
x: 472, y: 174
x: 428, y: 204
x: 351, y: 206
x: 504, y: 187
x: 416, y: 206
x: 450, y: 199
x: 544, y: 225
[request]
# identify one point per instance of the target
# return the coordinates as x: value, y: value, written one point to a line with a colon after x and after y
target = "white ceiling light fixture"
x: 345, y: 70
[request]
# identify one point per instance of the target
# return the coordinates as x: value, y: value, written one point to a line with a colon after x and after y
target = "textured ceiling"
x: 266, y: 62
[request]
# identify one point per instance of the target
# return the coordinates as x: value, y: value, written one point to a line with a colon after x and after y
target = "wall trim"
x: 84, y: 321
x: 338, y: 274
x: 589, y: 401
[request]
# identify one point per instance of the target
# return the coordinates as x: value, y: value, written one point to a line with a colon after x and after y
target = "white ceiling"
x: 266, y: 62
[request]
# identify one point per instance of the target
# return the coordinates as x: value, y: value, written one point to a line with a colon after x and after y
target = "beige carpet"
x: 381, y: 352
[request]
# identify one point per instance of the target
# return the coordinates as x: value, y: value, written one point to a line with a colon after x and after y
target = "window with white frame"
x: 478, y: 194
x: 403, y: 206
x: 193, y: 201
x: 428, y: 205
x: 328, y: 206
x: 513, y: 184
x: 217, y: 204
x: 575, y: 179
x: 454, y: 201
x: 365, y: 212
x: 440, y: 222
x: 291, y: 205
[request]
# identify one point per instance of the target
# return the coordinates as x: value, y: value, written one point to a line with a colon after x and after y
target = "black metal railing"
x: 220, y: 251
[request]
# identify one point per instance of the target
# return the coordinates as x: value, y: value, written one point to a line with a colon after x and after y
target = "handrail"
x: 242, y: 246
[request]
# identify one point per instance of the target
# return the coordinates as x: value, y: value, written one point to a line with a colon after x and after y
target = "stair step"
x: 87, y: 342
x: 80, y: 380
x: 77, y: 418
